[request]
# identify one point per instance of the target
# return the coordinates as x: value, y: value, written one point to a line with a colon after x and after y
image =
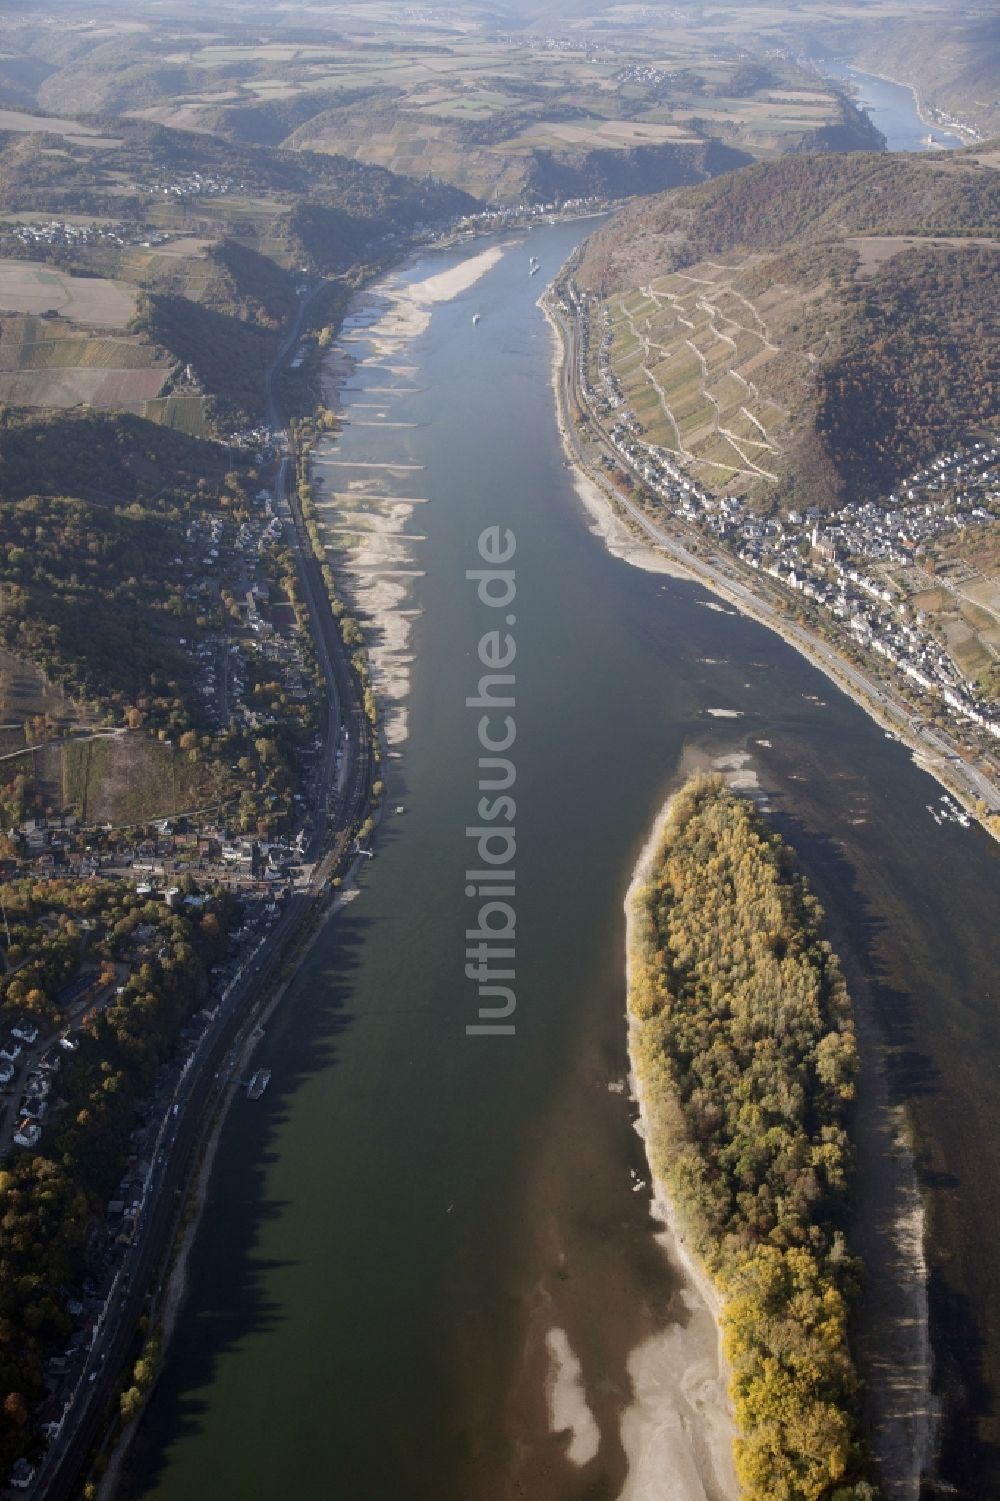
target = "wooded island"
x: 744, y: 1049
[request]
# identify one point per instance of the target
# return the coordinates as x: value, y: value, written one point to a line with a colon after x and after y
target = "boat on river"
x: 257, y: 1084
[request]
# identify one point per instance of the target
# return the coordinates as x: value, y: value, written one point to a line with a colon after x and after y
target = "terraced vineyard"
x: 693, y: 354
x: 804, y: 330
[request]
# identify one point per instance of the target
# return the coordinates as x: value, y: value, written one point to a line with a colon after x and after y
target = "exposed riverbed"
x: 420, y: 1249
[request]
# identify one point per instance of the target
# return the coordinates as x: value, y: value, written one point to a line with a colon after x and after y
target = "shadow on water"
x: 301, y: 1040
x: 968, y: 1462
x: 858, y: 931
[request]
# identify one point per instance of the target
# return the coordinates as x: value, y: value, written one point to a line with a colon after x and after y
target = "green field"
x: 186, y: 414
x: 131, y: 779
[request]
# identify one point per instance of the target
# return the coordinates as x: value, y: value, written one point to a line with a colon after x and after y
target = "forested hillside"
x: 919, y: 364
x: 796, y: 198
x: 229, y: 355
x: 248, y: 285
x: 117, y: 457
x: 94, y: 513
x: 810, y: 329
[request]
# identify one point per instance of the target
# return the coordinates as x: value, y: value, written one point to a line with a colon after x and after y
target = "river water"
x: 892, y: 108
x: 391, y: 1226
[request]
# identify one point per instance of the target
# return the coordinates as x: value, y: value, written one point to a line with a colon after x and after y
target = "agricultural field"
x: 63, y: 361
x: 71, y: 130
x: 50, y: 363
x: 109, y: 390
x: 185, y: 414
x: 35, y: 287
x: 459, y: 98
x: 477, y: 115
x: 601, y: 135
x: 960, y: 601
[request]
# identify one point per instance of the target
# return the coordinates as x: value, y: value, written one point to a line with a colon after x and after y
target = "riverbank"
x: 657, y: 551
x: 165, y: 1313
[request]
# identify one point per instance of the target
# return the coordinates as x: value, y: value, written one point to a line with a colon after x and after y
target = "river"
x: 892, y: 108
x: 407, y: 1209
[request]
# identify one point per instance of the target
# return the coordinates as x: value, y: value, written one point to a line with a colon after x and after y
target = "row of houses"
x: 836, y: 561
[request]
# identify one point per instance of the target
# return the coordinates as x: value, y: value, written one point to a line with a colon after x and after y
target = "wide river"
x: 392, y: 1223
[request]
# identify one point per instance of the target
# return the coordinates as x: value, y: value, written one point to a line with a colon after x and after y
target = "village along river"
x: 393, y: 1227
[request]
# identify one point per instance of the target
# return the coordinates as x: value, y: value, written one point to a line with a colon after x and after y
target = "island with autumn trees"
x: 743, y: 1048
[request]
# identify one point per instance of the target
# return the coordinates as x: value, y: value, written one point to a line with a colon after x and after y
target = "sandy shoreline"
x: 678, y: 1433
x: 363, y: 518
x: 410, y: 304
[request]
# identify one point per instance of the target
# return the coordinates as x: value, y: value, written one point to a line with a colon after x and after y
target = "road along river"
x: 423, y: 1273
